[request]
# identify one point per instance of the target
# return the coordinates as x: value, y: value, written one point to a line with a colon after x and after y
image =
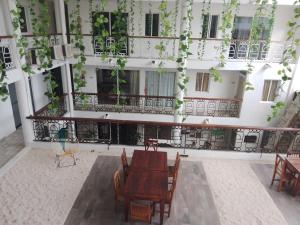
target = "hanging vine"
x: 40, y: 25
x: 131, y: 21
x: 226, y: 26
x: 289, y: 55
x: 77, y: 40
x: 119, y: 32
x: 183, y: 54
x: 175, y: 18
x: 205, y: 11
x: 3, y: 85
x: 21, y: 41
x: 166, y: 29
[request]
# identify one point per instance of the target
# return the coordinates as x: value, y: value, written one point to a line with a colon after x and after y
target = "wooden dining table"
x: 293, y: 165
x: 147, y: 179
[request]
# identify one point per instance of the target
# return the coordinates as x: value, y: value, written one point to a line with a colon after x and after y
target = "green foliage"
x: 40, y: 25
x: 77, y: 40
x: 21, y: 42
x: 3, y: 85
x: 226, y: 25
x: 184, y: 45
x: 175, y: 16
x: 131, y: 21
x: 166, y: 29
x: 276, y: 109
x: 201, y: 44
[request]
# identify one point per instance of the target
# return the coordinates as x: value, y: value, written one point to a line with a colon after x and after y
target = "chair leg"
x: 274, y: 173
x: 169, y: 209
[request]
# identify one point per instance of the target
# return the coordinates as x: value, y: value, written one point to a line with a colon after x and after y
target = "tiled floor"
x: 11, y: 146
x: 95, y: 202
x: 287, y: 204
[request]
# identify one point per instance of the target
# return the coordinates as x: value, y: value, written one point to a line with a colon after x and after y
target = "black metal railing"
x: 215, y: 107
x: 194, y: 136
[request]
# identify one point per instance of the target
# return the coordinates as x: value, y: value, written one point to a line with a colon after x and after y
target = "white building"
x: 147, y: 95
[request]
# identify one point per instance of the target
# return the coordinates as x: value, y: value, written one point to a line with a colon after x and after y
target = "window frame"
x: 209, y: 26
x: 152, y: 25
x: 202, y: 74
x: 270, y: 98
x: 27, y: 20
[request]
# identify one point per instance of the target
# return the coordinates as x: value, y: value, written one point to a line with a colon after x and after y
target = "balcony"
x: 214, y: 107
x: 204, y: 49
x: 178, y: 135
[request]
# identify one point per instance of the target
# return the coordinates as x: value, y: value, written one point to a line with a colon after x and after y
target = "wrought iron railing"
x: 59, y: 110
x: 157, y: 105
x: 6, y: 54
x: 204, y: 49
x: 194, y: 136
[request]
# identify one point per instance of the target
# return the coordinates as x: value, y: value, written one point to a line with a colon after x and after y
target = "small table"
x: 147, y: 180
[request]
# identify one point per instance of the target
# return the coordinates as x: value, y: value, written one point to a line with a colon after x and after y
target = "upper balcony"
x: 201, y: 49
x: 6, y: 53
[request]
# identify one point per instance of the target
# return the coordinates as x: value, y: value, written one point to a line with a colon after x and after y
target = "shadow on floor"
x: 192, y: 204
x: 287, y: 204
x: 11, y: 146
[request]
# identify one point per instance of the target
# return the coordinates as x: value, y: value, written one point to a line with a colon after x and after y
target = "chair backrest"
x: 124, y: 159
x: 293, y: 153
x: 151, y: 143
x: 117, y: 183
x: 279, y: 162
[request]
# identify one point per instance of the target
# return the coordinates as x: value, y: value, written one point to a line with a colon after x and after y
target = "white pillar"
x: 23, y: 91
x: 181, y: 75
x: 67, y: 82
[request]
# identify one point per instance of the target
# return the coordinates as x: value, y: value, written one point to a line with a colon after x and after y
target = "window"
x: 241, y: 27
x: 210, y: 26
x: 151, y: 24
x: 270, y: 90
x: 23, y: 21
x: 160, y: 84
x: 202, y: 81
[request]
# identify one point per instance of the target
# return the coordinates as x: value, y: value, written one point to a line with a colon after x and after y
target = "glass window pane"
x: 155, y: 25
x: 266, y: 90
x: 148, y: 23
x: 213, y: 27
x: 205, y: 26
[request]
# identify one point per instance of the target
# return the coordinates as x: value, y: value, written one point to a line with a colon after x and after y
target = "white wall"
x: 39, y: 87
x: 6, y: 119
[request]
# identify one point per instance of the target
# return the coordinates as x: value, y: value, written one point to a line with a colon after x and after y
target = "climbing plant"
x: 184, y: 44
x: 131, y: 21
x: 257, y: 28
x: 175, y: 18
x: 204, y: 29
x: 21, y: 41
x: 166, y: 28
x: 77, y: 40
x: 3, y: 85
x: 40, y: 25
x: 289, y: 55
x: 225, y: 28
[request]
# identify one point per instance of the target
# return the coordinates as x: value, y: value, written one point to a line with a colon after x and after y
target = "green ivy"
x: 166, y: 29
x: 77, y: 40
x: 21, y: 42
x: 184, y: 45
x: 175, y: 16
x: 227, y: 23
x: 131, y: 21
x: 3, y: 85
x: 40, y: 24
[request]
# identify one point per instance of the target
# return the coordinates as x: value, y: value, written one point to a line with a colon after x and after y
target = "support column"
x: 67, y: 81
x: 181, y: 76
x: 23, y: 90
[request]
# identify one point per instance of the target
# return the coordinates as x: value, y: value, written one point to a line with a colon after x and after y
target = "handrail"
x: 172, y: 38
x: 153, y: 96
x: 6, y: 37
x: 154, y: 123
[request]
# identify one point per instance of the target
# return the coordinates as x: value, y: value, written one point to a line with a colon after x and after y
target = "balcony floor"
x: 209, y: 192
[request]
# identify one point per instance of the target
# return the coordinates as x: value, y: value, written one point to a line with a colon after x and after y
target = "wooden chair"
x: 169, y: 198
x: 125, y: 164
x: 278, y: 169
x: 119, y: 193
x: 173, y: 170
x: 151, y: 143
x: 140, y: 212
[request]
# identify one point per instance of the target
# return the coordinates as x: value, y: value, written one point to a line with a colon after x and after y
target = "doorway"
x: 14, y: 104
